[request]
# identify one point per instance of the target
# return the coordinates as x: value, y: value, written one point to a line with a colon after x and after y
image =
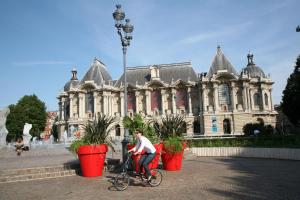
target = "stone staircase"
x: 35, y: 173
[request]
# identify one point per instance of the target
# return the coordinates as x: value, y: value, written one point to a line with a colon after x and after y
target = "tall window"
x: 224, y: 96
x: 156, y: 100
x: 266, y: 100
x: 257, y: 99
x: 118, y: 131
x: 89, y: 102
x: 181, y: 98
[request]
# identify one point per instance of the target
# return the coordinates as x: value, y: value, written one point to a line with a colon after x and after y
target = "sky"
x: 41, y: 41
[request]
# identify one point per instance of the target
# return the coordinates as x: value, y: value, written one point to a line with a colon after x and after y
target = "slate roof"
x: 183, y: 71
x: 220, y: 62
x: 71, y: 84
x: 97, y: 73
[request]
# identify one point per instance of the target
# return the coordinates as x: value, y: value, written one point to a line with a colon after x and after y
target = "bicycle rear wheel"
x: 121, y: 181
x: 156, y: 178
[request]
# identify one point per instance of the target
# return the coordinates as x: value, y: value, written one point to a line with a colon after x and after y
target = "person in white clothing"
x: 144, y: 144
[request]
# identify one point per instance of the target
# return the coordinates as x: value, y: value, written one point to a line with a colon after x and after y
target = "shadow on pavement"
x: 261, y: 179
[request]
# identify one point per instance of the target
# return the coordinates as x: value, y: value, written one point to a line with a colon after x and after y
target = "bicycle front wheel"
x: 156, y: 178
x: 121, y: 181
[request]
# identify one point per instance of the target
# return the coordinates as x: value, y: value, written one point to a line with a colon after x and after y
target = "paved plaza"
x: 200, y: 178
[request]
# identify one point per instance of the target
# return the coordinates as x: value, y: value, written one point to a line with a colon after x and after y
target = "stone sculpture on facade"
x: 26, y: 135
x: 3, y: 131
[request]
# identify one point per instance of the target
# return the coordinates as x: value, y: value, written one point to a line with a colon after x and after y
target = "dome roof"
x: 253, y: 70
x: 73, y: 82
x: 219, y: 63
x: 97, y: 73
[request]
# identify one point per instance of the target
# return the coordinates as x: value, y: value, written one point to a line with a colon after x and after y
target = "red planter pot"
x: 172, y: 161
x: 153, y: 164
x: 92, y: 159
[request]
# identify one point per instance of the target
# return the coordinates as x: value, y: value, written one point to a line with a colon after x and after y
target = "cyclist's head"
x: 138, y: 133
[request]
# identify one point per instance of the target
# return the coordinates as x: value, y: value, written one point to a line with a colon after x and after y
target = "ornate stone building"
x: 219, y: 102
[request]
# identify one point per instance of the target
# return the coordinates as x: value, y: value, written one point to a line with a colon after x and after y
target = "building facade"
x: 216, y: 103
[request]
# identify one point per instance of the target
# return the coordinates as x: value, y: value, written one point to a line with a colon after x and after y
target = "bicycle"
x: 122, y: 180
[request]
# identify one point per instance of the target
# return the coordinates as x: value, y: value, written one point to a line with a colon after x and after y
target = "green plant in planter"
x: 171, y: 131
x: 138, y: 122
x: 173, y: 144
x: 96, y: 132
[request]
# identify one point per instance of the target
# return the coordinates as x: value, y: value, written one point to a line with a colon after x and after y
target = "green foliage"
x: 96, y: 132
x: 173, y: 144
x: 134, y: 123
x: 275, y: 141
x: 29, y: 109
x: 249, y: 129
x: 172, y: 126
x: 54, y: 130
x: 137, y: 122
x: 171, y: 130
x: 291, y: 96
x: 76, y: 144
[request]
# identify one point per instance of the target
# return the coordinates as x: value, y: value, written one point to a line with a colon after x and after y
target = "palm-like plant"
x: 172, y: 126
x: 96, y: 132
x: 171, y: 131
x: 138, y: 122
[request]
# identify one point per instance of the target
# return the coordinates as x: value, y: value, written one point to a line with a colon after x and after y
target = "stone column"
x: 163, y: 98
x: 109, y: 104
x: 95, y: 96
x: 71, y: 96
x: 105, y: 103
x: 245, y: 99
x: 190, y: 101
x: 100, y: 108
x: 271, y: 101
x: 81, y: 105
x: 174, y: 110
x: 63, y: 108
x: 60, y: 109
x: 204, y: 97
x: 249, y: 99
x: 137, y: 103
x: 263, y: 99
x: 233, y: 97
x: 216, y: 97
x: 148, y: 102
x: 122, y: 103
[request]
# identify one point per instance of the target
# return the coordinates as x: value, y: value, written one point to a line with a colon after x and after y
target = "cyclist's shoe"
x: 149, y: 178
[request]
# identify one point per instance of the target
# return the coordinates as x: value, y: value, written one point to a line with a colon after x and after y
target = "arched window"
x: 118, y: 130
x: 89, y: 102
x: 197, y: 129
x: 257, y: 99
x: 266, y: 100
x: 224, y: 96
x: 184, y: 127
x: 226, y: 126
x: 260, y: 121
x: 239, y: 97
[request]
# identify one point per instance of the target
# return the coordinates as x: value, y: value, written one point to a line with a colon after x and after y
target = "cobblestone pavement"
x: 200, y: 178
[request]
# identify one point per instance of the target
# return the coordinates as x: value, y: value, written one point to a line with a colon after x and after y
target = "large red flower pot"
x: 153, y: 164
x: 92, y: 159
x: 172, y: 161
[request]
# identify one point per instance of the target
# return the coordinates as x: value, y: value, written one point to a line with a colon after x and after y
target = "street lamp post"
x: 125, y: 37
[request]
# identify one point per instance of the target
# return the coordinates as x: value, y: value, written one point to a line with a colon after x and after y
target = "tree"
x: 291, y: 96
x: 29, y: 109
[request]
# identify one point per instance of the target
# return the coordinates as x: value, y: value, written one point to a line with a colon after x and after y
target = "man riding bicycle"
x: 144, y: 144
